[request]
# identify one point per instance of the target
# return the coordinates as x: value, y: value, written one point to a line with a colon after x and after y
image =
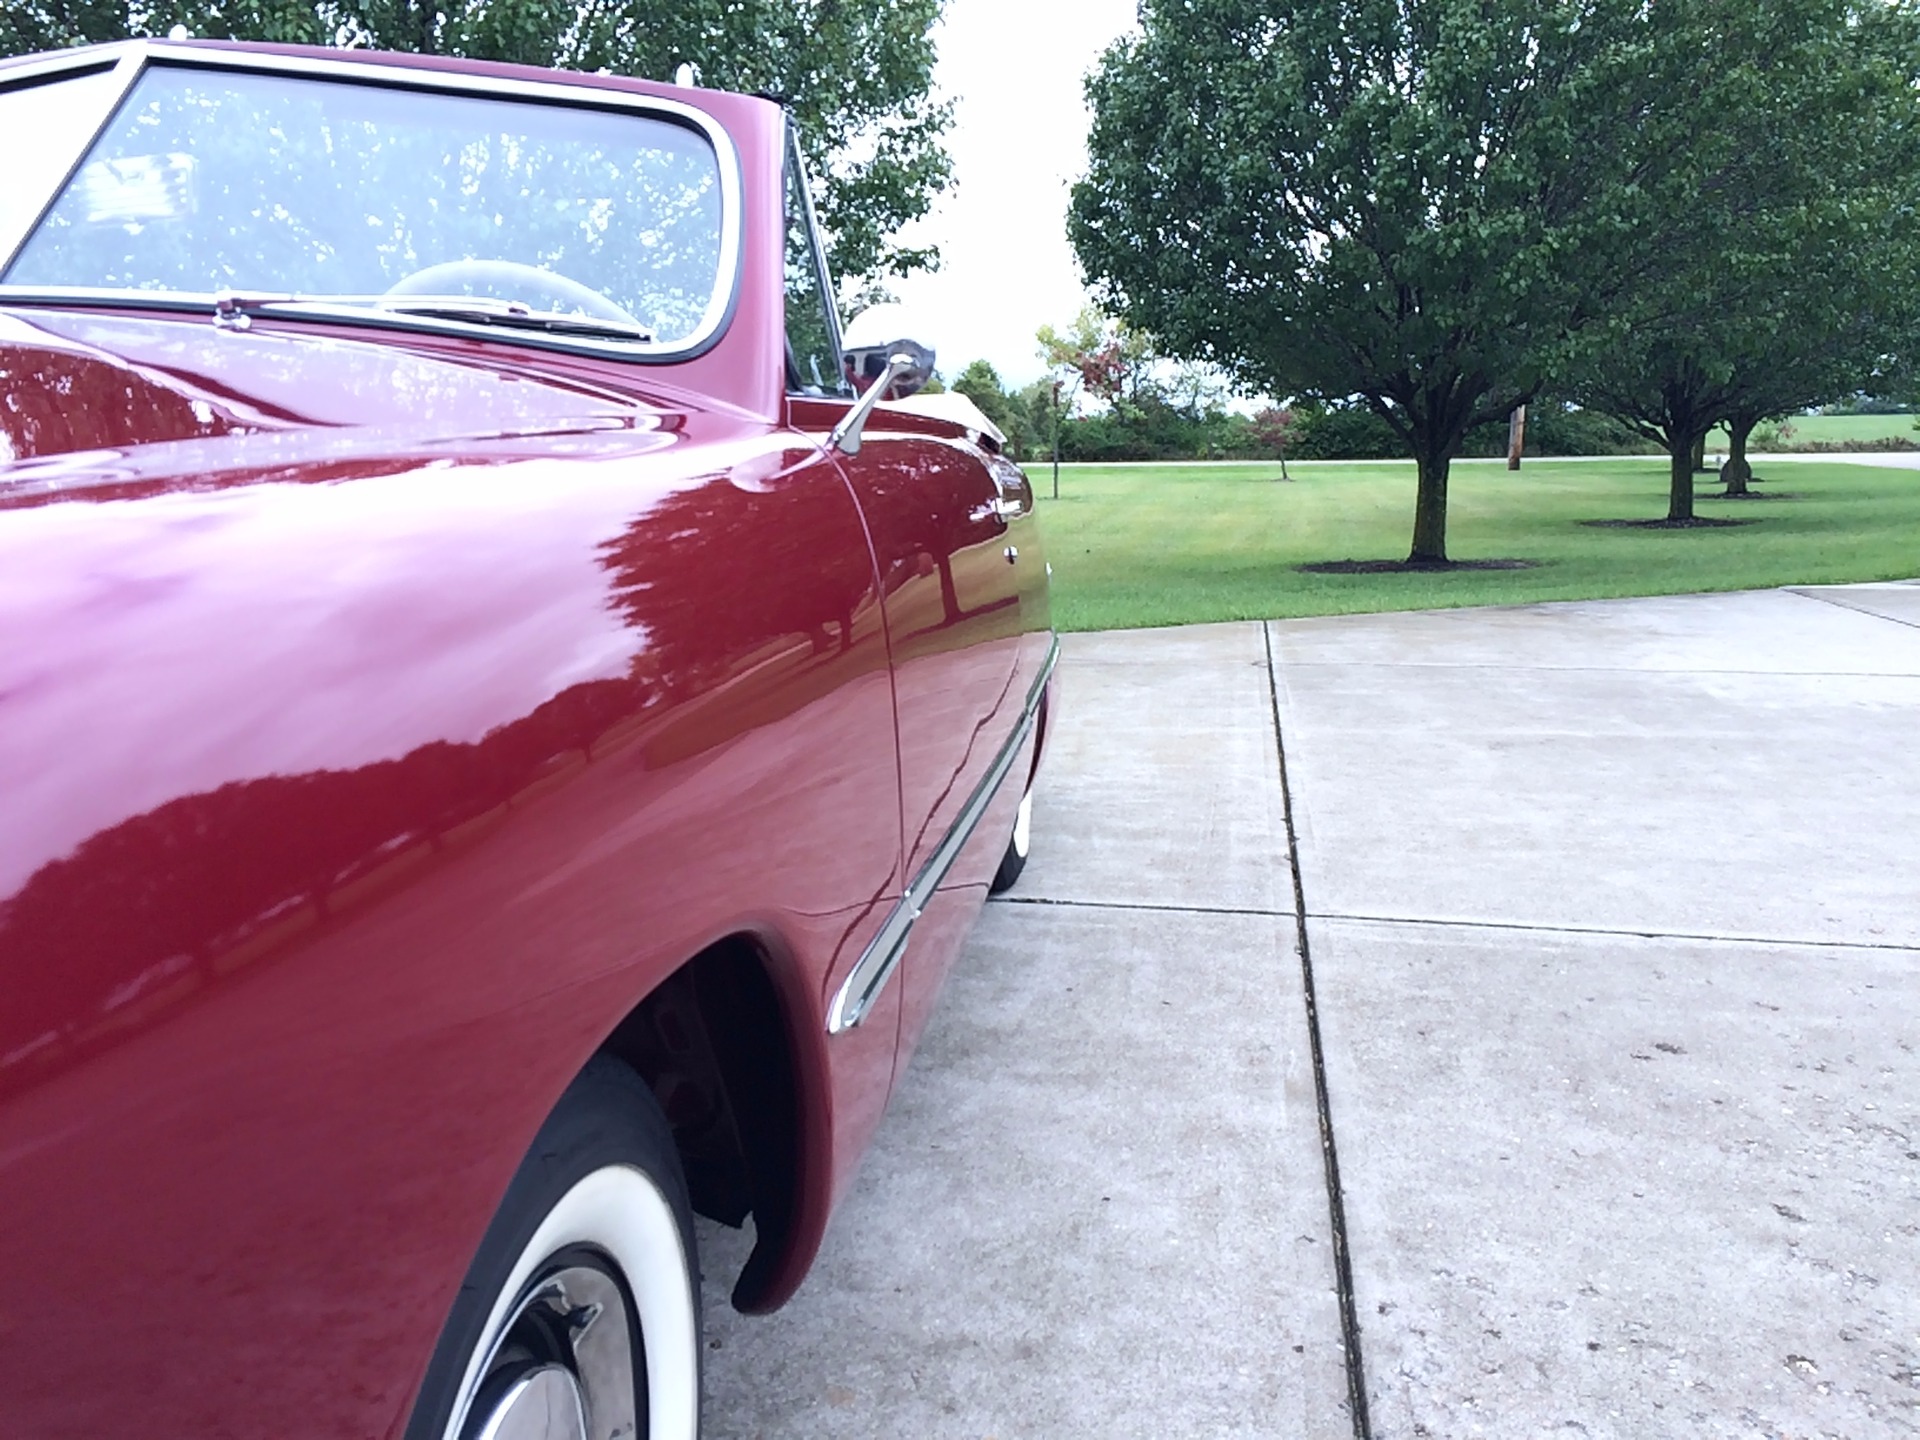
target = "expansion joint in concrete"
x: 1336, y: 1200
x: 1713, y: 937
x: 1690, y: 672
x: 1856, y: 609
x: 1148, y: 905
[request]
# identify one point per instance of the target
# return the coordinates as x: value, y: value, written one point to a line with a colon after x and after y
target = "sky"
x: 1013, y: 69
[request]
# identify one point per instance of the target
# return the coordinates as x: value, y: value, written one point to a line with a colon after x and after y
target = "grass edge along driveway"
x: 1140, y: 545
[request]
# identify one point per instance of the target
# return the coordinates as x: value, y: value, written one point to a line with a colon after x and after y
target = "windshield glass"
x: 211, y: 180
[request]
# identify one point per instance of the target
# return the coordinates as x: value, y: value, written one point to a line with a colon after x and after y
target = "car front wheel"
x: 580, y: 1316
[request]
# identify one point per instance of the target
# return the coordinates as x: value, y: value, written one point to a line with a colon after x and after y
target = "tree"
x: 980, y: 383
x: 1276, y: 428
x: 1851, y: 321
x: 857, y: 74
x: 1151, y: 406
x: 1104, y: 356
x: 1784, y: 267
x: 1416, y: 202
x: 1070, y: 359
x: 1034, y: 402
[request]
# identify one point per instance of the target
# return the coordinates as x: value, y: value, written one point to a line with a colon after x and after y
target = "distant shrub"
x: 1152, y: 429
x: 1149, y: 427
x: 1556, y: 428
x: 1867, y: 405
x: 1879, y: 445
x: 1343, y: 432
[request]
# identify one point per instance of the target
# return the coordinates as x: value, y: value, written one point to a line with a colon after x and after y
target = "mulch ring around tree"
x: 1410, y: 567
x: 1745, y: 495
x: 1698, y: 522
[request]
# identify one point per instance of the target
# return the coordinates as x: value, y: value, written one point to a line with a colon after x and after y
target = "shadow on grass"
x: 1410, y: 567
x: 1698, y: 522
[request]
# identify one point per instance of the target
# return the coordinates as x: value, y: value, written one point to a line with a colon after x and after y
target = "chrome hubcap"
x: 1023, y: 825
x: 565, y: 1367
x: 543, y: 1404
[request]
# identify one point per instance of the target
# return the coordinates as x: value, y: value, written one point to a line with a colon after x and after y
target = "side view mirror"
x: 874, y: 338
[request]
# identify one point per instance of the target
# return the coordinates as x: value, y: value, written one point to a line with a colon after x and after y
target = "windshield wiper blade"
x: 235, y: 309
x: 485, y: 311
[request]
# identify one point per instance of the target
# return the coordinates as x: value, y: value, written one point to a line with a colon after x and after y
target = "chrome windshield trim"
x: 28, y: 69
x: 125, y: 61
x: 818, y: 251
x: 869, y: 976
x: 138, y: 55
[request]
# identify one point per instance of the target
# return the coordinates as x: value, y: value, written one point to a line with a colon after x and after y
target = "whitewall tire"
x: 1018, y: 845
x: 580, y: 1316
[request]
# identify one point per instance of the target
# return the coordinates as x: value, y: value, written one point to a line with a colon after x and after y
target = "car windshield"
x: 209, y: 181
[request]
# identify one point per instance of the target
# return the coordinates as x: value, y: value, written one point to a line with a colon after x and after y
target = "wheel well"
x: 713, y: 1045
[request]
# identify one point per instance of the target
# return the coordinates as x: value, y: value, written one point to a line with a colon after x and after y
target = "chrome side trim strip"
x: 869, y: 976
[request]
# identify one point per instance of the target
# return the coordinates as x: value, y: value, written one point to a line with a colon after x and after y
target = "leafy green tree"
x: 1034, y: 403
x: 1849, y: 323
x: 1784, y: 267
x: 857, y: 74
x: 980, y: 383
x: 1416, y: 202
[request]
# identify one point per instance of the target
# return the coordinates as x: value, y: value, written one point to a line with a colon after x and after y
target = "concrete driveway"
x: 1584, y: 1098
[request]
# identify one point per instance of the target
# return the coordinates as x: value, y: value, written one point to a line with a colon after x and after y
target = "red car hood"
x: 88, y: 400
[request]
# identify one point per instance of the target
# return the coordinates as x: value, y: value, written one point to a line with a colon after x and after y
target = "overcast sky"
x: 1013, y: 69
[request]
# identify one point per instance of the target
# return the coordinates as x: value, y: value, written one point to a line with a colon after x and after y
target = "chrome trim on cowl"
x: 869, y: 977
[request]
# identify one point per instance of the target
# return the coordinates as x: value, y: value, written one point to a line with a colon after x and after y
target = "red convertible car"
x: 504, y: 725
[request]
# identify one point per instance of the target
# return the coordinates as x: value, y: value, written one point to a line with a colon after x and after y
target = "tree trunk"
x: 1680, y: 488
x: 1430, y: 511
x: 1699, y: 453
x: 1737, y: 472
x: 1283, y: 464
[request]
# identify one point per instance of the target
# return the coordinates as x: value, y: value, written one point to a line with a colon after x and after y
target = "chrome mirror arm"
x: 845, y: 436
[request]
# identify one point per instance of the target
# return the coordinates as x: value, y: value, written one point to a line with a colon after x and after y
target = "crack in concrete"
x: 1336, y: 1200
x: 1547, y: 928
x: 1543, y: 927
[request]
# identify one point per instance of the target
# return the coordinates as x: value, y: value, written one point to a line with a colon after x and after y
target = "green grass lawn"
x: 1847, y: 429
x: 1135, y: 545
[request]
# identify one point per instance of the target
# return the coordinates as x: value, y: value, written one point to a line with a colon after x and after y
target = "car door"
x: 957, y: 600
x: 949, y: 582
x: 862, y: 1047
